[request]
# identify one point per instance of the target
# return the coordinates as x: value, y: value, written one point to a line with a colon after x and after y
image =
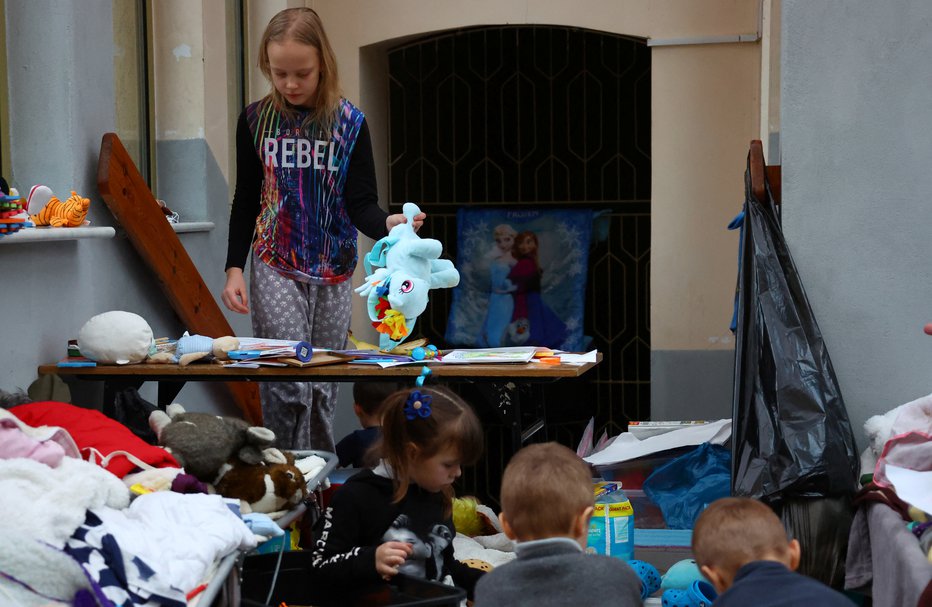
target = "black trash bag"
x: 132, y: 410
x: 791, y: 432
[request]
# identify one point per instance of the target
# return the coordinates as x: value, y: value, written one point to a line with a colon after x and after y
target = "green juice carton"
x: 611, y: 529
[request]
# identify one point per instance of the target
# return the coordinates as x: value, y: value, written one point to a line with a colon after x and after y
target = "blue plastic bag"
x: 683, y: 487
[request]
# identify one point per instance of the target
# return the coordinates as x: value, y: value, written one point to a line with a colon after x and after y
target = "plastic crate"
x: 633, y: 472
x: 292, y: 587
x: 647, y: 514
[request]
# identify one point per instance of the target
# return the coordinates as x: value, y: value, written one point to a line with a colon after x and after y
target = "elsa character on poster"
x: 501, y: 302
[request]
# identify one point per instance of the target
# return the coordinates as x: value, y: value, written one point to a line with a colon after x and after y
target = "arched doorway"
x: 539, y: 117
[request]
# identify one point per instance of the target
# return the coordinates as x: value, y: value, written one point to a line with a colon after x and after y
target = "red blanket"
x: 92, y: 429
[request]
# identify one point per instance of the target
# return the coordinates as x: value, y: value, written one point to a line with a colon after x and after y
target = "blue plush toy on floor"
x: 683, y: 584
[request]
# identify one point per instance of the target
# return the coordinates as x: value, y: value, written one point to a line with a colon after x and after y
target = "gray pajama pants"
x: 300, y: 414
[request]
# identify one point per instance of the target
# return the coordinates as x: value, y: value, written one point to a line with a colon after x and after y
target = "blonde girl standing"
x: 305, y: 182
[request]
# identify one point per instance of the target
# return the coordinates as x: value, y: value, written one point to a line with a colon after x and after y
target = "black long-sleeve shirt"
x: 361, y: 516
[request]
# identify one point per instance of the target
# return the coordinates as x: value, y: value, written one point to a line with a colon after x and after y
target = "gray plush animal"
x: 202, y: 443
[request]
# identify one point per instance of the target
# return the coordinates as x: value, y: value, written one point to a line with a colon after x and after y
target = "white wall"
x: 856, y: 152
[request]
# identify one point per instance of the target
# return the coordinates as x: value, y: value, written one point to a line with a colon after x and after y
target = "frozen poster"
x: 522, y: 278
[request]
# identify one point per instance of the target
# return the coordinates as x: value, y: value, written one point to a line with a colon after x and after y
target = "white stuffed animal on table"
x: 116, y: 338
x: 406, y: 268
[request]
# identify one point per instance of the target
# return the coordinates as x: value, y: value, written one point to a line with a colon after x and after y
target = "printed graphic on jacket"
x: 426, y: 558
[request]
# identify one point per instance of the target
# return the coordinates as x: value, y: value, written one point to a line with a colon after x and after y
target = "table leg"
x: 167, y: 391
x: 111, y: 389
x: 506, y: 400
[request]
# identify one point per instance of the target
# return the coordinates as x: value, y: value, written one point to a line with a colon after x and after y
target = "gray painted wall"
x: 60, y: 80
x: 857, y: 151
x: 691, y: 384
x: 182, y: 168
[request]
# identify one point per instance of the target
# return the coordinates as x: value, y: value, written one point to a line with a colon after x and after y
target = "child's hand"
x: 389, y: 556
x: 234, y: 295
x: 392, y: 220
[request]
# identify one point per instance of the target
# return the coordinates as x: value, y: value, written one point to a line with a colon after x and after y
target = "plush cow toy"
x: 406, y: 268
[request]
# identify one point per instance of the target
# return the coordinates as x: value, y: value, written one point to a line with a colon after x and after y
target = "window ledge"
x: 45, y: 233
x: 193, y: 226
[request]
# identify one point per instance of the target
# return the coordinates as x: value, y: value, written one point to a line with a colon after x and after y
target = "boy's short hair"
x: 544, y: 487
x: 734, y: 531
x: 370, y: 395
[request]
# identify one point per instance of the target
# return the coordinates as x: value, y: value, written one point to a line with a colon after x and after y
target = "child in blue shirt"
x: 355, y: 449
x: 741, y: 547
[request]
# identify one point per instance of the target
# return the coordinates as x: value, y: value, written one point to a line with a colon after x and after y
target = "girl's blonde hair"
x: 303, y: 25
x: 503, y: 229
x: 451, y: 423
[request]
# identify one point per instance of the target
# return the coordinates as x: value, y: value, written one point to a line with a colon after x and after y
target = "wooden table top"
x: 333, y: 372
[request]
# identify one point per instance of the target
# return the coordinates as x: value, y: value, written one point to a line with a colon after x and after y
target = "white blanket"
x: 178, y: 535
x: 50, y: 503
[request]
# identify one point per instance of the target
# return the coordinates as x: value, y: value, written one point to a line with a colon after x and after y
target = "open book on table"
x: 513, y: 354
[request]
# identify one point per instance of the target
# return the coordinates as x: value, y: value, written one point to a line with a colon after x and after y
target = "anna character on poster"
x: 543, y: 326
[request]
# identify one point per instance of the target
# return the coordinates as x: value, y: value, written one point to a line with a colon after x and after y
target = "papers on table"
x: 569, y: 358
x: 471, y: 356
x: 252, y: 348
x: 254, y: 363
x: 514, y: 354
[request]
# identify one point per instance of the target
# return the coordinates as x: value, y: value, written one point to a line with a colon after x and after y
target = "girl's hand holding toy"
x: 389, y: 556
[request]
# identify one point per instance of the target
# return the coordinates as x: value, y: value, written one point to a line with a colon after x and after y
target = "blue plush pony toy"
x: 406, y: 268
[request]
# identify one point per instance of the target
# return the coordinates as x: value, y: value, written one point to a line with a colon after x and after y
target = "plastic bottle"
x: 611, y: 529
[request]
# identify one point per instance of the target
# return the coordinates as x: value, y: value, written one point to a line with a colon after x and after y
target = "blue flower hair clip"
x: 417, y: 405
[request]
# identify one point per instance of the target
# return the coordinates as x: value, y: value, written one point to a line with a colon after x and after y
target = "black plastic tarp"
x: 791, y: 433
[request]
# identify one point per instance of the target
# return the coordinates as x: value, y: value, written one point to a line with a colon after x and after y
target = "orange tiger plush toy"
x: 68, y: 214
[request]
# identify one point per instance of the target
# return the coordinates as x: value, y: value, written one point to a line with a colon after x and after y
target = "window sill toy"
x: 68, y: 214
x: 12, y: 218
x: 406, y: 268
x: 116, y: 337
x: 203, y: 443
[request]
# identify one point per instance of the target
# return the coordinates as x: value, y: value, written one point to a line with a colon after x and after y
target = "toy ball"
x: 650, y: 577
x: 681, y: 575
x: 465, y: 517
x: 421, y: 352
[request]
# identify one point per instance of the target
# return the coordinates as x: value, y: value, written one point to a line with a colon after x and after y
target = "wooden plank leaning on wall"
x: 135, y: 208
